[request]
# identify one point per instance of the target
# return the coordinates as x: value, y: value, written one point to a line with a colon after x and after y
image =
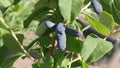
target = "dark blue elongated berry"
x: 73, y: 32
x: 61, y: 36
x: 59, y: 28
x: 97, y: 6
x: 49, y: 24
x: 61, y: 41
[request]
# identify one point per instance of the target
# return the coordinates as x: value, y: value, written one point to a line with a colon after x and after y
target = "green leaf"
x: 3, y: 10
x: 73, y: 44
x: 1, y: 41
x: 76, y: 7
x: 84, y: 65
x: 41, y: 29
x: 35, y: 65
x: 65, y: 7
x: 3, y: 25
x: 32, y: 44
x: 94, y: 48
x: 65, y: 63
x: 106, y: 4
x: 2, y: 32
x: 9, y: 61
x: 61, y: 60
x: 117, y: 4
x: 45, y: 41
x: 76, y: 64
x: 11, y: 43
x: 103, y: 23
x: 36, y: 14
x: 42, y: 3
x: 16, y: 2
x: 3, y: 52
x: 112, y: 6
x: 46, y: 62
x: 116, y: 14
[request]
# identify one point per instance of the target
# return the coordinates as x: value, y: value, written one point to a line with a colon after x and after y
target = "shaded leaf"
x: 61, y: 60
x: 35, y: 14
x: 46, y: 62
x: 3, y: 52
x: 45, y: 41
x: 112, y: 6
x: 117, y: 4
x: 106, y: 4
x: 42, y: 3
x: 116, y: 14
x: 76, y: 64
x: 11, y: 43
x: 9, y: 61
x: 41, y: 29
x: 73, y: 44
x: 31, y: 44
x: 3, y: 10
x: 1, y: 41
x: 35, y: 65
x: 16, y: 2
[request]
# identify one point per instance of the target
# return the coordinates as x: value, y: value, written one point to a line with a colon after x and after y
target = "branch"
x: 86, y: 6
x: 54, y: 47
x: 113, y: 31
x: 21, y: 46
x: 74, y: 60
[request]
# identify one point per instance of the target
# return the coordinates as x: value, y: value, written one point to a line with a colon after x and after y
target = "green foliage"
x: 46, y: 63
x: 37, y: 13
x: 99, y: 22
x: 75, y: 45
x: 3, y: 52
x: 11, y: 43
x: 76, y: 7
x: 16, y: 2
x: 7, y: 63
x: 16, y: 15
x: 70, y: 11
x: 94, y: 48
x: 112, y: 6
x: 41, y: 29
x: 64, y: 7
x: 84, y: 65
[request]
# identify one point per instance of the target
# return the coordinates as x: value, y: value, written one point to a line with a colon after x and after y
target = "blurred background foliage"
x: 13, y: 15
x: 16, y: 14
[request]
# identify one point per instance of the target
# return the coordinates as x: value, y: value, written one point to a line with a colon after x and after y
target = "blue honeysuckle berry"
x: 97, y: 6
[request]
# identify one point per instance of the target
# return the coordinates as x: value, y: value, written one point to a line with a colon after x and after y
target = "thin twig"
x: 87, y: 27
x: 71, y: 59
x: 13, y: 34
x: 42, y: 54
x: 74, y: 60
x: 110, y: 34
x: 21, y: 46
x: 85, y: 7
x: 113, y: 31
x: 54, y: 47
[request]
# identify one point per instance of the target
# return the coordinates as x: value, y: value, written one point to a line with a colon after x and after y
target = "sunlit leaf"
x: 94, y: 48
